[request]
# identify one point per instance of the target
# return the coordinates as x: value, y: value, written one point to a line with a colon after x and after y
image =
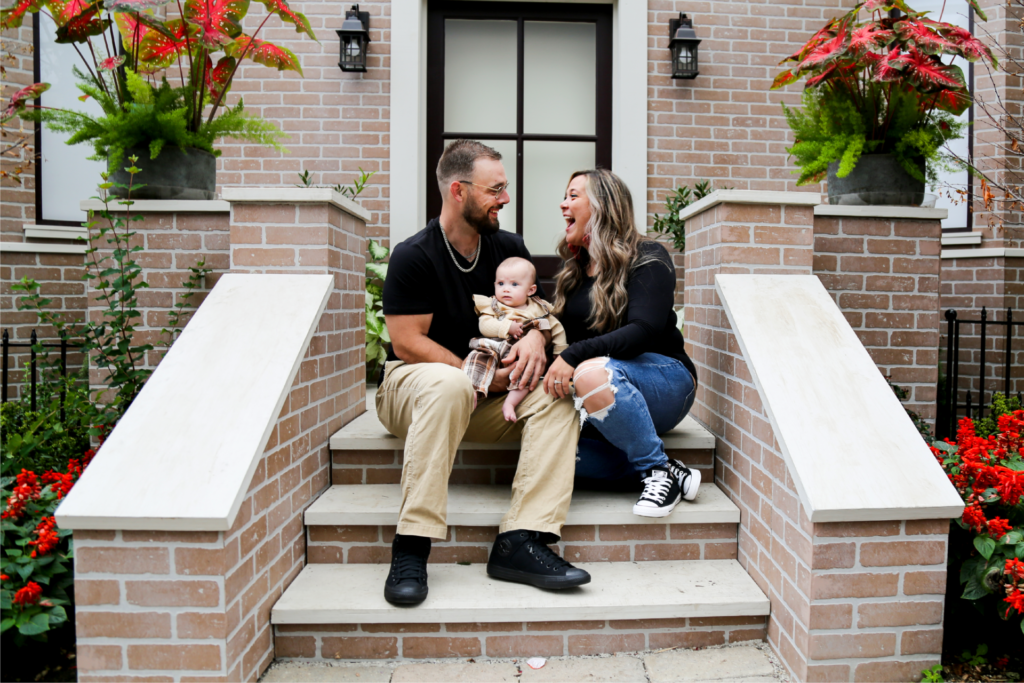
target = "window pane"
x: 559, y: 77
x: 546, y: 170
x: 66, y: 175
x: 480, y: 76
x: 953, y: 12
x: 507, y: 149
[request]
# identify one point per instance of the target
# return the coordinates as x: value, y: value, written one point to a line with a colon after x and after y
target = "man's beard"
x: 479, y: 218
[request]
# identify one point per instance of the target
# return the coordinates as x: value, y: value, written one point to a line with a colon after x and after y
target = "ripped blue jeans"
x: 652, y: 394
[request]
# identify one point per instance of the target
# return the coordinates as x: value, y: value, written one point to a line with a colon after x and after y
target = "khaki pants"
x: 430, y: 405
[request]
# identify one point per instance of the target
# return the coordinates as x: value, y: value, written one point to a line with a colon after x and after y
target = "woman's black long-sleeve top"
x: 650, y: 321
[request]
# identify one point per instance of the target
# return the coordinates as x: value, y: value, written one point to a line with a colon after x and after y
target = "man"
x: 426, y: 398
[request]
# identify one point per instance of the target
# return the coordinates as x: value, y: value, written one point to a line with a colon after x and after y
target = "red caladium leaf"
x: 871, y: 36
x: 134, y: 5
x: 953, y: 101
x: 11, y: 17
x: 158, y: 50
x: 824, y: 34
x: 930, y: 72
x: 281, y: 9
x: 218, y: 21
x: 111, y: 63
x: 969, y: 47
x: 84, y: 25
x: 823, y: 76
x: 890, y: 67
x: 132, y: 29
x: 262, y: 52
x: 886, y: 5
x: 977, y: 9
x: 217, y: 76
x: 784, y: 79
x: 20, y: 98
x: 826, y: 51
x: 923, y: 34
x: 64, y: 11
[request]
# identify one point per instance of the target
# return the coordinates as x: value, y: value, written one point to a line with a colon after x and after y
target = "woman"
x: 625, y: 364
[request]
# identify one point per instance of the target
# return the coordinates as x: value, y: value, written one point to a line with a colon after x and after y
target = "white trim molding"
x: 750, y: 197
x: 959, y: 239
x: 36, y: 248
x: 918, y: 212
x: 294, y: 195
x: 995, y: 252
x: 409, y: 110
x: 54, y: 232
x: 161, y: 205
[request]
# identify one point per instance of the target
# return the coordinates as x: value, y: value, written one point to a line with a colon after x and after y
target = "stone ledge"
x: 161, y: 205
x: 995, y: 252
x: 294, y: 195
x: 911, y: 212
x: 352, y: 594
x: 366, y: 433
x: 750, y: 197
x: 377, y: 504
x: 37, y: 248
x: 956, y: 239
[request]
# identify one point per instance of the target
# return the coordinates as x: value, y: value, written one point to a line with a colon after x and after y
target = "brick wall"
x: 515, y: 639
x: 185, y: 604
x: 19, y: 204
x: 884, y: 275
x: 849, y: 601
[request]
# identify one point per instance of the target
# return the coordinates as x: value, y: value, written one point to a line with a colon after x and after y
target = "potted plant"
x: 879, y: 101
x: 198, y: 45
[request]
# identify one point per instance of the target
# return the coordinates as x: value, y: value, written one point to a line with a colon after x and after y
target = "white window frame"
x: 409, y: 110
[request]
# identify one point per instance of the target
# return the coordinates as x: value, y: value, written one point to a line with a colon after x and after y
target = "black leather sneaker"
x: 520, y: 556
x: 407, y: 581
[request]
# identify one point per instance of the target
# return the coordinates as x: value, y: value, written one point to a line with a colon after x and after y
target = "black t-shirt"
x: 422, y: 278
x: 650, y: 324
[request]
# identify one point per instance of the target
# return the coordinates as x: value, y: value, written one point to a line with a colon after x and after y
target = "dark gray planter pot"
x: 876, y: 179
x: 172, y: 175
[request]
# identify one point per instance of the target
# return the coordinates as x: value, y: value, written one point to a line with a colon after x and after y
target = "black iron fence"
x: 33, y: 364
x: 950, y: 409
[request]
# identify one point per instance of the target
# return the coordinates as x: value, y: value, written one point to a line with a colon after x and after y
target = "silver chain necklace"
x: 474, y: 257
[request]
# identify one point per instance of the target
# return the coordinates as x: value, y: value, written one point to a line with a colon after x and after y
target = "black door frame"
x: 440, y: 10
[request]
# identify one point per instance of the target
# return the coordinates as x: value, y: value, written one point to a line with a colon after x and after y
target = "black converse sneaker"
x: 523, y: 557
x: 661, y: 493
x: 407, y: 581
x: 689, y: 480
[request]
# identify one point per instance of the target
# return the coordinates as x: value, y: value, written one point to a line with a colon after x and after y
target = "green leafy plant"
x: 353, y: 191
x: 1001, y: 405
x: 377, y: 337
x: 40, y: 439
x: 184, y: 42
x: 880, y: 86
x: 671, y: 224
x: 977, y: 658
x: 932, y: 675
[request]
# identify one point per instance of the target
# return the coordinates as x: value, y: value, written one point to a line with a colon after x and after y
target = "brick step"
x: 363, y: 452
x: 339, y: 611
x: 355, y: 524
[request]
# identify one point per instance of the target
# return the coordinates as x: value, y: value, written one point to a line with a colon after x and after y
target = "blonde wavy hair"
x: 614, y: 248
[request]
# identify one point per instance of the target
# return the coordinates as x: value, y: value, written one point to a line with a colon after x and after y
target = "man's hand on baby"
x: 515, y: 329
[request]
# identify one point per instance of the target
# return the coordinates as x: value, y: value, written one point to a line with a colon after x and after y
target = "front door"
x: 532, y: 80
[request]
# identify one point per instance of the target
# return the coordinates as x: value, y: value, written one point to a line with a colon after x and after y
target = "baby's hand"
x: 515, y: 330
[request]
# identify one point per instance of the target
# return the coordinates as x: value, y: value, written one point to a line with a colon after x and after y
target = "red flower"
x: 1014, y: 568
x: 975, y: 518
x: 4, y: 577
x: 998, y: 527
x: 28, y: 488
x: 48, y: 537
x: 1016, y: 600
x: 29, y: 595
x: 1011, y: 485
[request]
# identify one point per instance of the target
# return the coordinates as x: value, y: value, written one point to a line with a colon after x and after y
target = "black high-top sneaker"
x: 521, y: 557
x: 407, y: 581
x: 661, y: 493
x: 689, y: 480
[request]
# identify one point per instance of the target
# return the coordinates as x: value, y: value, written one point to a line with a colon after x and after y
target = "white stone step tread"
x: 377, y: 504
x: 366, y: 433
x: 354, y: 594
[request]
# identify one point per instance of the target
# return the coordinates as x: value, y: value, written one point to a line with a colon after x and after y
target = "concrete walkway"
x: 746, y: 663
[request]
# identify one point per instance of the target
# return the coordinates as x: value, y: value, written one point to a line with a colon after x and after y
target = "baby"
x: 504, y: 318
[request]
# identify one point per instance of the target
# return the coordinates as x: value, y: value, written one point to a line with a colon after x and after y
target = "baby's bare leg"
x: 508, y: 408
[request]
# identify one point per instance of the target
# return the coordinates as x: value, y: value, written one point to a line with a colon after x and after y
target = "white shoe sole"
x: 644, y: 511
x: 694, y: 484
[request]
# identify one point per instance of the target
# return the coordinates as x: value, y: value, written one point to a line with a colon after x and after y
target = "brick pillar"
x: 195, y: 605
x: 849, y: 600
x: 881, y: 266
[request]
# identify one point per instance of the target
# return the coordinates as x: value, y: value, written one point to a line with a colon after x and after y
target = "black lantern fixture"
x: 683, y: 44
x: 355, y: 38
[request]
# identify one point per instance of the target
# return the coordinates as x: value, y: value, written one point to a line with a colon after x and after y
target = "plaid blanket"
x: 482, y: 361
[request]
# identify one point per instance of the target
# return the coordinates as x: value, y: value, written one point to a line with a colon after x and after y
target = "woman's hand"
x: 558, y: 378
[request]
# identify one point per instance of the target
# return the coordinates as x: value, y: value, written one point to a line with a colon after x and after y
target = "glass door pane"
x: 559, y: 77
x: 480, y: 69
x: 546, y: 170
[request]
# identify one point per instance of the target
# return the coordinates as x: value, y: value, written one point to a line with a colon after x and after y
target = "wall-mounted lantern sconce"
x: 683, y: 44
x: 355, y: 39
